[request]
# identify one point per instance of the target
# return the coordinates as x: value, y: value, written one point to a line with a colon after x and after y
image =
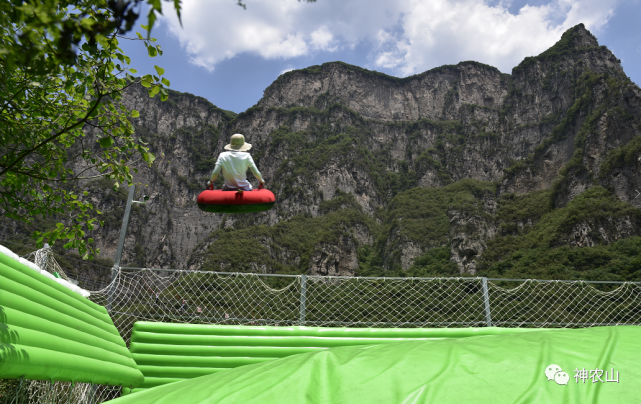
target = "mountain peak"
x: 575, y: 38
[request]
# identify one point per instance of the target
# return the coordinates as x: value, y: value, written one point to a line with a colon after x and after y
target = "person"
x: 234, y: 164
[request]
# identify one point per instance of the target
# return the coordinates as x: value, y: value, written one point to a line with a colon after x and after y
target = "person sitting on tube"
x: 234, y: 164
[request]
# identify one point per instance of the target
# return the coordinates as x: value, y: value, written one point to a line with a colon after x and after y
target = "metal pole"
x: 303, y: 298
x: 121, y: 243
x: 486, y: 303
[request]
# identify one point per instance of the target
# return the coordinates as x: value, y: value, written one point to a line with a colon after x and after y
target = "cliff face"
x: 374, y: 173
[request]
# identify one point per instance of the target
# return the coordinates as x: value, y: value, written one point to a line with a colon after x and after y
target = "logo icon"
x: 561, y: 378
x: 554, y: 372
x: 551, y: 370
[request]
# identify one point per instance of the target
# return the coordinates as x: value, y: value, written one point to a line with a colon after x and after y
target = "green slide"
x: 49, y: 332
x: 592, y: 365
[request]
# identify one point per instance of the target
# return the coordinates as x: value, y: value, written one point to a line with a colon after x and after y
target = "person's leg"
x: 226, y: 188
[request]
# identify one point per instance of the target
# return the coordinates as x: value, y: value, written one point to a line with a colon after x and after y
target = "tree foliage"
x: 61, y: 71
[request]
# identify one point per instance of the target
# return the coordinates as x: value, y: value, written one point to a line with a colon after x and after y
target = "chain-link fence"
x: 281, y: 300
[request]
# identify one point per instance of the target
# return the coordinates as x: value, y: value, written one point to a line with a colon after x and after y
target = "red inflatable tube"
x: 217, y: 201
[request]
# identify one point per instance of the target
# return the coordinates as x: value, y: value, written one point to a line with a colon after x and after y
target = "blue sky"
x: 229, y: 55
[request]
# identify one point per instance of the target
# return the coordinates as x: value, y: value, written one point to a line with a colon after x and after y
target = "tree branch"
x: 51, y: 138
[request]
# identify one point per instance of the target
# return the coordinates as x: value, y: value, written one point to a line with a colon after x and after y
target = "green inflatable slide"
x: 51, y: 332
x: 593, y: 365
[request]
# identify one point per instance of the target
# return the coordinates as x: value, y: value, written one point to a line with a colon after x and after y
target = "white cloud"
x: 215, y: 30
x: 408, y: 36
x: 322, y: 39
x: 446, y: 32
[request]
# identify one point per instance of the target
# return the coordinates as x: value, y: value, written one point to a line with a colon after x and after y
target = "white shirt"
x: 234, y: 165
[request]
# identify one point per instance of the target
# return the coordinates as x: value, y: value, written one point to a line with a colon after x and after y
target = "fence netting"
x: 258, y: 299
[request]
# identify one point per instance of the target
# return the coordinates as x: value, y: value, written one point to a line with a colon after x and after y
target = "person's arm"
x: 216, y: 171
x: 254, y: 169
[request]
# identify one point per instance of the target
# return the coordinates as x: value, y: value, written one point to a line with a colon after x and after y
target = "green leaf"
x: 134, y: 71
x: 106, y: 141
x: 149, y: 157
x: 134, y: 113
x: 177, y: 7
x: 152, y: 51
x: 151, y: 17
x: 145, y: 83
x: 155, y: 4
x: 165, y: 82
x: 160, y: 70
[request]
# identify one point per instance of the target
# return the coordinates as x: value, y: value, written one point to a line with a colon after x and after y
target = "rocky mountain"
x: 458, y: 170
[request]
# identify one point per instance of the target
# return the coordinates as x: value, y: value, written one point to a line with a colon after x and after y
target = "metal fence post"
x: 303, y: 298
x: 121, y: 243
x: 486, y: 303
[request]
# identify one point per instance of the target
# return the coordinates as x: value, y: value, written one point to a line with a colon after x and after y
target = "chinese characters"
x: 595, y: 375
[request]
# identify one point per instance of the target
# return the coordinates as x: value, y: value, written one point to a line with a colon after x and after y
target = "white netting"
x: 82, y: 273
x: 565, y: 304
x: 44, y: 259
x: 253, y: 299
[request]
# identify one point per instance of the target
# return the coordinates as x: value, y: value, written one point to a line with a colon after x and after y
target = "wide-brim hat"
x: 237, y: 143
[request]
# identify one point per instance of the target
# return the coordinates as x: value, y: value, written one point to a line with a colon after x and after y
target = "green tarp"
x: 171, y: 352
x: 594, y: 365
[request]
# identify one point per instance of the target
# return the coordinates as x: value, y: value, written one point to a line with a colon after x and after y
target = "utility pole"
x: 121, y: 241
